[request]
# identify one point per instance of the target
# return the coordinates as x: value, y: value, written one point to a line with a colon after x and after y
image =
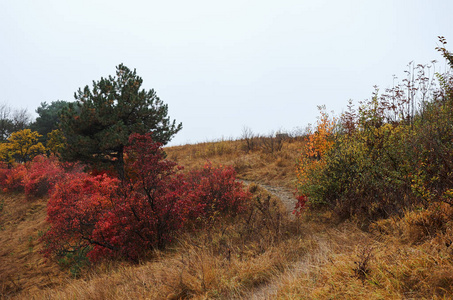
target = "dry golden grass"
x: 22, y: 267
x: 406, y: 258
x: 193, y: 272
x: 258, y: 165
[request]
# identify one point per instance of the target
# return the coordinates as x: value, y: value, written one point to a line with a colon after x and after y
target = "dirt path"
x: 269, y: 290
x: 285, y: 195
x: 303, y: 266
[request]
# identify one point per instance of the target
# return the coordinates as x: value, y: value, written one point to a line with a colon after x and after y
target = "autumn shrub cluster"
x: 109, y: 218
x: 12, y: 179
x: 36, y: 178
x: 28, y: 166
x: 390, y: 153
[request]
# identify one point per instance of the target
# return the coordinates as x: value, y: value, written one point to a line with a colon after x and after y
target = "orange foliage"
x: 319, y: 143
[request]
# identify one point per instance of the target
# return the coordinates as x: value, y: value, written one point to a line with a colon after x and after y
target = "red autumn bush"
x: 133, y: 226
x: 3, y: 174
x: 215, y: 190
x: 125, y: 219
x: 300, y: 205
x: 35, y: 178
x: 77, y: 204
x: 149, y: 209
x: 14, y: 178
x: 118, y: 219
x: 42, y: 174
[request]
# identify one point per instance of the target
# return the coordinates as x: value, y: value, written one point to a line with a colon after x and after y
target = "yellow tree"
x: 5, y: 153
x: 56, y: 141
x: 23, y: 145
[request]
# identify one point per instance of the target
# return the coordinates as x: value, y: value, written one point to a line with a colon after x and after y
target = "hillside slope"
x: 270, y: 254
x: 22, y: 267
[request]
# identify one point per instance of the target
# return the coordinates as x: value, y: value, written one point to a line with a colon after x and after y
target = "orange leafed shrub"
x: 311, y: 160
x: 320, y: 141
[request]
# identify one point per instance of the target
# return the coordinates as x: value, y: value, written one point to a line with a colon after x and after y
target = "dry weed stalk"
x: 362, y: 264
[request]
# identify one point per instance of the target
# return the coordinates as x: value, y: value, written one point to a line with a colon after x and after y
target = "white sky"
x: 219, y: 65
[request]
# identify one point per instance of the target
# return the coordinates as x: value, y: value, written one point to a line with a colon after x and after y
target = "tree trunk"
x: 120, y: 163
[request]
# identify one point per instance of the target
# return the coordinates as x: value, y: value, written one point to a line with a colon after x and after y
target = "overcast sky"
x: 219, y: 65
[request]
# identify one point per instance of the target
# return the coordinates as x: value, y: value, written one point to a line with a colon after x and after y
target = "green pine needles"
x: 98, y: 126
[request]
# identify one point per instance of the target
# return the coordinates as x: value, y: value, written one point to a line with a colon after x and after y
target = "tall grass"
x: 256, y: 163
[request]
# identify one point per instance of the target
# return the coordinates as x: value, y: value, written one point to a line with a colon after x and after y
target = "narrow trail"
x: 324, y: 244
x: 285, y: 195
x: 270, y: 290
x: 304, y: 267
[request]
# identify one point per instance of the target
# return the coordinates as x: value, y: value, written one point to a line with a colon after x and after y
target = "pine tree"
x: 97, y: 126
x: 48, y: 119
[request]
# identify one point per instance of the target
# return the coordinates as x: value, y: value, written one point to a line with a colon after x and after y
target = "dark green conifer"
x: 97, y: 126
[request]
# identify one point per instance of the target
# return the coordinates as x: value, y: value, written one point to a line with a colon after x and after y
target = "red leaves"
x: 77, y: 204
x: 35, y: 178
x: 300, y: 205
x: 13, y: 179
x: 125, y: 219
x: 42, y: 175
x: 215, y: 190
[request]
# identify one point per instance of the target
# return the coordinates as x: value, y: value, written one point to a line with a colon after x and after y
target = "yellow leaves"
x: 5, y: 154
x: 56, y: 141
x: 22, y: 145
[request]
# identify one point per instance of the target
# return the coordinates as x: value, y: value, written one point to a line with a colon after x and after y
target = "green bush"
x: 394, y: 152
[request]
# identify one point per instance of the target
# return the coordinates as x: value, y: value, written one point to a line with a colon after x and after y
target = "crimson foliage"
x: 3, y: 174
x: 214, y: 191
x: 145, y: 211
x: 42, y: 175
x: 12, y: 179
x: 77, y: 204
x: 148, y: 210
x: 36, y: 178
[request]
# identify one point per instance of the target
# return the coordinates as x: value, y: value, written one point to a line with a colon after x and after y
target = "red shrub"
x: 4, y: 171
x: 215, y: 190
x: 125, y: 219
x: 117, y: 219
x: 14, y: 178
x: 42, y: 175
x: 78, y: 202
x: 300, y: 205
x: 133, y: 226
x: 152, y: 206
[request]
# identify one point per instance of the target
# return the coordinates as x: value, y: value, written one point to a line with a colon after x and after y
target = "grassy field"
x: 267, y: 160
x: 269, y: 255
